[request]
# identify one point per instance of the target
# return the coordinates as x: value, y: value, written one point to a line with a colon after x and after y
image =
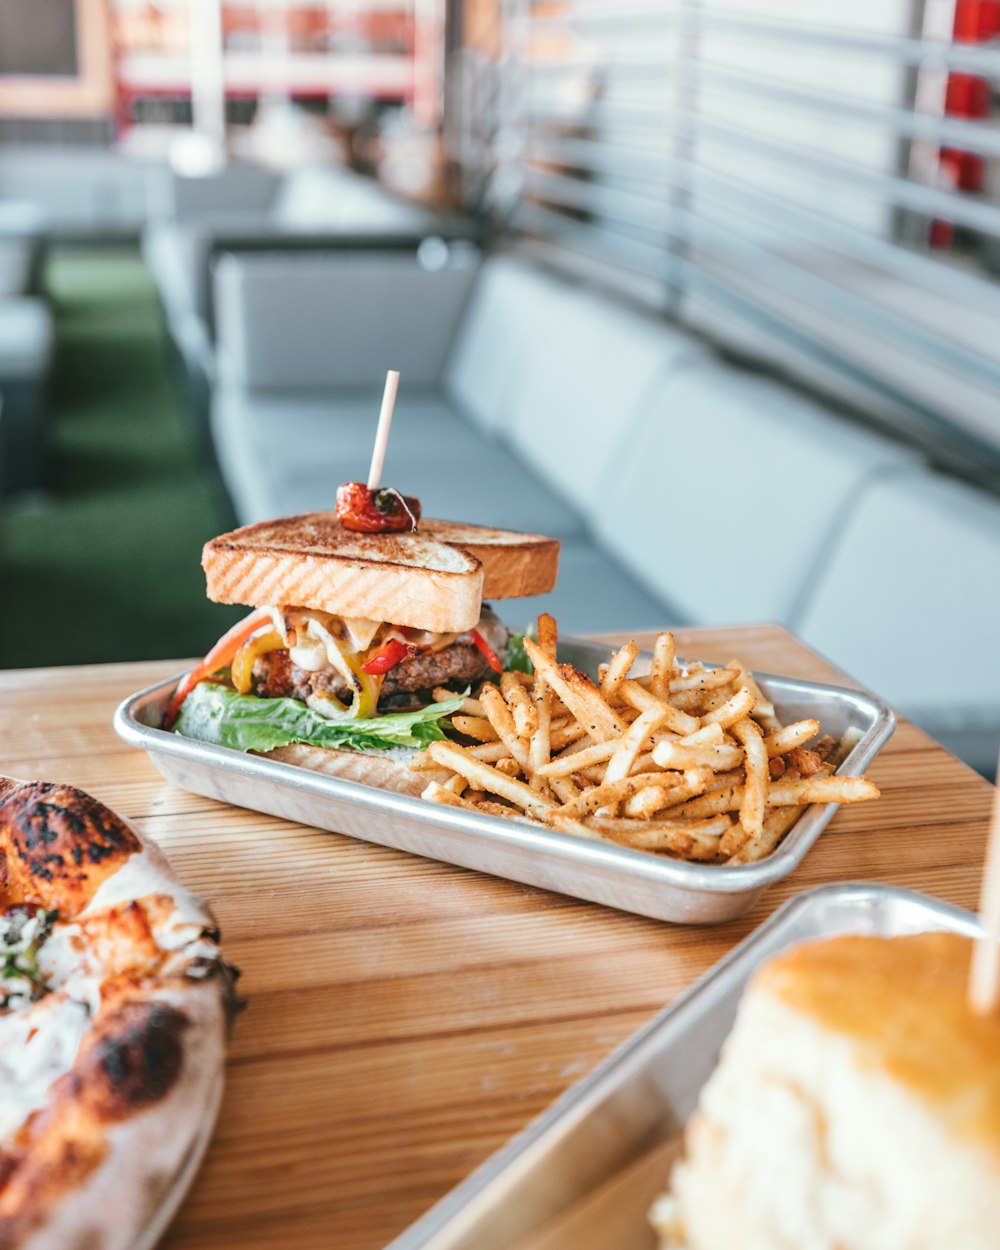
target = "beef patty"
x: 275, y: 676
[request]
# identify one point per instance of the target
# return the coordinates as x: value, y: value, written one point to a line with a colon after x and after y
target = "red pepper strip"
x: 487, y: 650
x: 388, y: 656
x: 219, y: 656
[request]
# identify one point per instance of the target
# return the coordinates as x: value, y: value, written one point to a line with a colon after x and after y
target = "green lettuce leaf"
x: 218, y: 714
x: 516, y: 660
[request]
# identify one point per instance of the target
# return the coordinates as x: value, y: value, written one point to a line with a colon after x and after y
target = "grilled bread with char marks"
x: 434, y: 579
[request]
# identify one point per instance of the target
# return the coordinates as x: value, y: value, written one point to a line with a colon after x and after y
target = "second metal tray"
x: 616, y: 876
x: 583, y: 1175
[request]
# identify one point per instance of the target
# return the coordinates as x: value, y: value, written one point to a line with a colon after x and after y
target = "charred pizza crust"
x: 114, y: 1008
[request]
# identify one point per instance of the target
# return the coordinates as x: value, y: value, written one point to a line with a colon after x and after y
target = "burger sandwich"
x: 357, y: 634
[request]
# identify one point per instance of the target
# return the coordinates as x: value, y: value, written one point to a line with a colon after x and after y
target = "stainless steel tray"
x: 634, y: 881
x: 583, y: 1175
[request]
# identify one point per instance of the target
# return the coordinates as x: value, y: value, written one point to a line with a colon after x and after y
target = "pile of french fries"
x: 686, y: 761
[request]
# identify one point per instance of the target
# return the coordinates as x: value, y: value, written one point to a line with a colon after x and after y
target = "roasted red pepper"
x: 487, y: 650
x: 383, y: 511
x: 388, y: 656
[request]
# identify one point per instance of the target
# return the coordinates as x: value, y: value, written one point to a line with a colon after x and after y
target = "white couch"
x: 684, y: 489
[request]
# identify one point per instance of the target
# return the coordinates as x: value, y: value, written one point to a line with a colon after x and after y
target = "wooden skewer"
x: 984, y: 975
x: 382, y: 433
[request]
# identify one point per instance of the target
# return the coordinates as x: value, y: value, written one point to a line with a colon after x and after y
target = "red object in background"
x: 967, y: 95
x: 941, y: 234
x: 966, y: 171
x: 976, y: 21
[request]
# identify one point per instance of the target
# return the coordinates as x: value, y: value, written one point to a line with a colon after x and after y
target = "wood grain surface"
x: 406, y: 1017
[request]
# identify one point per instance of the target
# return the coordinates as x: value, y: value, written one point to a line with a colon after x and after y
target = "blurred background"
x: 705, y: 288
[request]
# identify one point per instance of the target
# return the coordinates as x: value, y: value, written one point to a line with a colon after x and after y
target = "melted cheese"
x: 360, y: 632
x: 37, y: 1046
x: 319, y: 641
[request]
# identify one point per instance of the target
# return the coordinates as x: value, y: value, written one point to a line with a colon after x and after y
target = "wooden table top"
x: 406, y: 1017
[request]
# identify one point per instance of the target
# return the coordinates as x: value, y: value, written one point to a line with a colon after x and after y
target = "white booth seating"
x: 907, y: 600
x: 80, y: 193
x: 684, y: 489
x: 729, y: 489
x: 312, y: 208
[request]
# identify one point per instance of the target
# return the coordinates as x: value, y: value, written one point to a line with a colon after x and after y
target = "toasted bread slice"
x: 388, y: 770
x: 433, y: 579
x: 514, y: 564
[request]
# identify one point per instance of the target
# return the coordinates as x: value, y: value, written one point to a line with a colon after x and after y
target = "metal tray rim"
x: 440, y: 1217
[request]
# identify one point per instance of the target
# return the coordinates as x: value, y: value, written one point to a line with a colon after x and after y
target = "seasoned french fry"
x: 623, y: 760
x: 777, y: 823
x: 718, y: 758
x: 755, y: 767
x: 781, y: 740
x: 491, y: 808
x: 734, y: 709
x: 475, y: 727
x: 488, y: 752
x: 821, y: 790
x: 564, y: 788
x: 470, y: 707
x: 806, y: 763
x: 644, y: 804
x: 763, y: 712
x: 456, y: 784
x: 509, y: 766
x: 707, y: 679
x: 825, y: 748
x: 486, y: 778
x: 503, y: 723
x: 642, y: 700
x: 661, y: 670
x: 422, y: 763
x: 568, y: 824
x: 712, y: 803
x: 521, y: 705
x: 578, y: 694
x: 576, y: 756
x: 565, y: 734
x: 694, y: 839
x: 436, y: 793
x: 617, y: 670
x: 540, y: 743
x: 720, y: 781
x: 733, y: 840
x: 844, y: 747
x: 709, y: 735
x: 614, y: 791
x: 548, y: 635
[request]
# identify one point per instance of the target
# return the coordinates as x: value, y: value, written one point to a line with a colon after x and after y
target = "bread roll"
x: 856, y: 1107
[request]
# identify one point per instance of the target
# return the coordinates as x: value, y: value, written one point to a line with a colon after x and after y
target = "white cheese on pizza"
x: 114, y: 1008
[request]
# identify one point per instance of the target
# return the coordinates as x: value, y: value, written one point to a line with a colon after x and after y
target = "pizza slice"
x: 115, y: 1004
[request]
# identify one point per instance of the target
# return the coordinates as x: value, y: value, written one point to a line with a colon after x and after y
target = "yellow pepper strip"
x: 243, y: 661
